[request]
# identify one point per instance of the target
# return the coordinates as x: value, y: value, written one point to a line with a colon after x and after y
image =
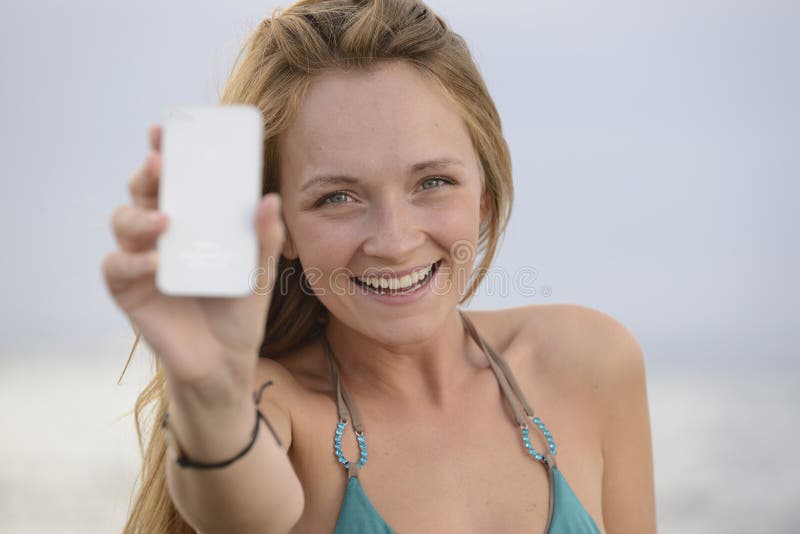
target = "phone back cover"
x: 210, y: 187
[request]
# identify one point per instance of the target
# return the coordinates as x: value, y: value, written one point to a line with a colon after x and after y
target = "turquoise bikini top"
x: 566, y: 514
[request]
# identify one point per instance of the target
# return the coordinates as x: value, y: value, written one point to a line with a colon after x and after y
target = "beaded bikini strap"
x: 507, y: 381
x: 347, y: 411
x: 512, y: 392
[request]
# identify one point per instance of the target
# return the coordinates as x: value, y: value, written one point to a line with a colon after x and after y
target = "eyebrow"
x: 331, y: 179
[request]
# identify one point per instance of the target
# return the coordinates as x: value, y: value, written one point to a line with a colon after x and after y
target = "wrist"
x: 210, y: 432
x: 191, y: 461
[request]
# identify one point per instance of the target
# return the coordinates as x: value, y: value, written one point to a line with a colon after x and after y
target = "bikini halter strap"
x: 347, y: 412
x: 520, y: 408
x: 510, y: 387
x: 509, y: 383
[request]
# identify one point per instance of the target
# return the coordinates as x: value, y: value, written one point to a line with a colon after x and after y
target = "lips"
x: 401, y: 291
x: 385, y: 273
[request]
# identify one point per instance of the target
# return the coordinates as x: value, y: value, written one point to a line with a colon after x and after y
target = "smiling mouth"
x: 400, y: 291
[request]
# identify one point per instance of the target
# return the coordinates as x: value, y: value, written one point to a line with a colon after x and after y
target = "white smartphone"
x: 210, y: 188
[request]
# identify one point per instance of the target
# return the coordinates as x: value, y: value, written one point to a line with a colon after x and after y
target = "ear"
x: 484, y: 207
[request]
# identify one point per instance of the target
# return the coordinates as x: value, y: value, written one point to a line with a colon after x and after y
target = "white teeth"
x: 404, y: 282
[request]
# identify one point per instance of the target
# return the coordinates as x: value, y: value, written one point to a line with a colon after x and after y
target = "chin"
x: 411, y: 330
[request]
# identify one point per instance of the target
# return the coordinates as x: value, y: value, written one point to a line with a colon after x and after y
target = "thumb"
x: 271, y: 233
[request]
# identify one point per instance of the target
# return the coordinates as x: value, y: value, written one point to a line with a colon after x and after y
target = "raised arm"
x: 209, y: 349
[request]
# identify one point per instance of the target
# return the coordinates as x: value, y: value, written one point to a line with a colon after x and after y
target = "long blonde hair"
x: 272, y: 71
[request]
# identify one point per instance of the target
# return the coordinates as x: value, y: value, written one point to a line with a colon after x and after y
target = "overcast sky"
x: 655, y: 150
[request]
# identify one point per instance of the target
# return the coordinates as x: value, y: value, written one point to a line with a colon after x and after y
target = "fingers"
x: 143, y: 184
x: 121, y: 268
x: 154, y: 136
x: 137, y: 229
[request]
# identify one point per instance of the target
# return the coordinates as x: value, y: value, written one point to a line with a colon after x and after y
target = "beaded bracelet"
x: 185, y: 461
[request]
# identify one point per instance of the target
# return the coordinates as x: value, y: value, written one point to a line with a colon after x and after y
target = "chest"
x: 466, y: 471
x: 469, y: 475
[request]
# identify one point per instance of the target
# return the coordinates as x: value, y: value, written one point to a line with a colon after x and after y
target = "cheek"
x: 455, y: 226
x: 324, y: 244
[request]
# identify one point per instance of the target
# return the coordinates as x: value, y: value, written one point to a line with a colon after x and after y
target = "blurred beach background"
x: 655, y: 149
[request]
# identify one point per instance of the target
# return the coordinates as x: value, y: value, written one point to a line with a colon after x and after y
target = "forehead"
x: 365, y: 121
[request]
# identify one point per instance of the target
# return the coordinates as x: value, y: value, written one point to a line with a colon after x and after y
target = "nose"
x: 394, y: 233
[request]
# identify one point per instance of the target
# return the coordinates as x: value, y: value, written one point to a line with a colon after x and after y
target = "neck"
x: 430, y: 372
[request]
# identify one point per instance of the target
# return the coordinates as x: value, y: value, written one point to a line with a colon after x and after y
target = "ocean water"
x: 724, y: 441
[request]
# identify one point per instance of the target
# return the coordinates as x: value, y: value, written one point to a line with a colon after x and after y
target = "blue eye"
x: 330, y: 198
x: 435, y: 179
x: 335, y: 194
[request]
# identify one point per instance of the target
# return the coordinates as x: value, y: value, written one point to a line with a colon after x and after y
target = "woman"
x: 386, y: 175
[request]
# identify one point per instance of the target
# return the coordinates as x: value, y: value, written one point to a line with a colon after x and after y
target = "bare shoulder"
x: 578, y: 339
x: 570, y: 343
x: 595, y: 359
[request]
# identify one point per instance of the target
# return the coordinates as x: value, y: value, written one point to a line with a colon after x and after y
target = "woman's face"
x: 378, y: 177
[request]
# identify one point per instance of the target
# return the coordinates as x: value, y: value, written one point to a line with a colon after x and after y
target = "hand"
x: 205, y: 343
